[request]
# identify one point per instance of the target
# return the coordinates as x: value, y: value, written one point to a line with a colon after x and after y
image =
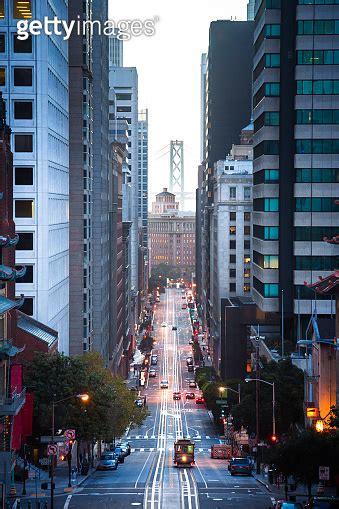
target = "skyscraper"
x: 228, y: 109
x: 296, y: 154
x: 250, y: 10
x: 143, y: 173
x: 34, y: 82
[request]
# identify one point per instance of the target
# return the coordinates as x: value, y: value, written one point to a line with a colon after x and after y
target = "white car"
x: 164, y: 384
x: 164, y: 324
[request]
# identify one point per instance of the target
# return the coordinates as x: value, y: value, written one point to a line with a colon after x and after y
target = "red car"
x: 199, y: 400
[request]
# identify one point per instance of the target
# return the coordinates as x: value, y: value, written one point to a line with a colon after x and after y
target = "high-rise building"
x: 296, y: 155
x: 143, y: 174
x: 81, y: 183
x: 116, y: 52
x: 124, y: 81
x: 228, y: 108
x: 203, y: 69
x: 34, y: 83
x: 250, y: 10
x: 231, y: 232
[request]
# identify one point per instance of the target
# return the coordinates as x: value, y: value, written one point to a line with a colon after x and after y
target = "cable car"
x: 184, y: 453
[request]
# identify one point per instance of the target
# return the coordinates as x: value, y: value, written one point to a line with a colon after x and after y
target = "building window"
x: 23, y: 76
x: 25, y: 241
x: 247, y: 288
x: 2, y: 9
x: 247, y: 273
x: 271, y: 204
x: 28, y: 277
x: 2, y: 42
x: 2, y: 76
x: 271, y: 262
x: 316, y: 205
x: 266, y: 147
x: 23, y: 142
x: 247, y: 216
x: 233, y: 287
x: 23, y: 176
x: 123, y: 97
x: 233, y: 244
x: 318, y: 2
x: 317, y: 117
x: 247, y: 258
x: 247, y: 193
x: 272, y: 89
x: 21, y: 46
x: 318, y: 87
x: 23, y: 110
x: 318, y: 57
x: 316, y: 146
x: 24, y: 208
x: 233, y: 193
x: 233, y: 258
x: 271, y: 290
x: 272, y: 60
x: 124, y: 109
x: 22, y: 9
x: 272, y: 31
x: 317, y: 174
x: 247, y: 230
x: 328, y: 263
x: 233, y: 273
x: 233, y: 216
x: 247, y: 244
x: 27, y: 306
x: 232, y: 230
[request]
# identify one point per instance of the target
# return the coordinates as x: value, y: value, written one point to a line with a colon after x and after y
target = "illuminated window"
x: 247, y: 259
x: 247, y: 288
x: 24, y: 208
x: 2, y: 76
x: 233, y: 230
x: 2, y: 9
x: 247, y: 273
x: 22, y: 9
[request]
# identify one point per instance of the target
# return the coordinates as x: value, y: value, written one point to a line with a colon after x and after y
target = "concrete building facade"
x: 34, y: 83
x: 143, y: 175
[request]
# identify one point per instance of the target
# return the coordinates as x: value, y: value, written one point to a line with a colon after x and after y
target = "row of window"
x: 233, y: 193
x: 19, y: 46
x: 318, y: 57
x: 233, y: 244
x: 317, y: 87
x: 266, y: 232
x: 314, y: 233
x: 318, y: 2
x: 247, y: 216
x: 316, y: 175
x: 268, y: 118
x: 246, y: 287
x: 310, y: 116
x: 301, y: 205
x: 270, y: 31
x: 266, y: 261
x: 316, y: 262
x: 247, y: 258
x: 233, y: 230
x: 233, y: 273
x: 21, y: 9
x: 268, y: 290
x: 318, y: 27
x: 317, y: 146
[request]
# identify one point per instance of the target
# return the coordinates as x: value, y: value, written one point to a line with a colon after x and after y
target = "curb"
x: 263, y: 484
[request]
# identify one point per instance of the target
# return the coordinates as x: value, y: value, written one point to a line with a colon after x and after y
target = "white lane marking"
x: 68, y: 500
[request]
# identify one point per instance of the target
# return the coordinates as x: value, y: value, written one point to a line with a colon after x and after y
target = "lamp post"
x: 272, y: 384
x: 233, y: 390
x: 84, y: 398
x: 257, y: 340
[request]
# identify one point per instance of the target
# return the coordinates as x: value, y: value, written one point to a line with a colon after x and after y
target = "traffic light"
x: 274, y: 439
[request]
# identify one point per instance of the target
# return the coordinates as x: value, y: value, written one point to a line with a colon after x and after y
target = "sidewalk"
x: 33, y: 485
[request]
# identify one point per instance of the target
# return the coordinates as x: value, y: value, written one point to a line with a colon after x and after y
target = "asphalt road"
x: 148, y: 479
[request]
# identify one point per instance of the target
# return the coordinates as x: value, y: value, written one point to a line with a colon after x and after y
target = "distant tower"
x: 177, y: 175
x: 250, y: 10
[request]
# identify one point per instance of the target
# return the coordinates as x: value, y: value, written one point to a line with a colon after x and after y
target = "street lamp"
x: 223, y: 389
x: 82, y: 397
x: 272, y: 384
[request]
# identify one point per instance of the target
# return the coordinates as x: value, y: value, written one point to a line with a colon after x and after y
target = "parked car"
x: 190, y: 395
x: 164, y: 324
x: 152, y: 373
x: 192, y: 385
x: 154, y: 360
x: 189, y: 360
x: 176, y: 395
x: 200, y: 400
x: 164, y: 384
x: 120, y: 454
x: 174, y: 327
x: 139, y: 403
x: 108, y: 461
x: 190, y: 368
x: 126, y: 448
x: 323, y: 503
x: 240, y: 466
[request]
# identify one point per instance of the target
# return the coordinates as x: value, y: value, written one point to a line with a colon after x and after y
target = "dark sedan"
x: 240, y: 466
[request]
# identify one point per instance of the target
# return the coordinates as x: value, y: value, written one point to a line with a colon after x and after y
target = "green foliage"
x: 289, y: 388
x: 146, y: 344
x: 160, y: 273
x: 301, y: 455
x: 109, y: 410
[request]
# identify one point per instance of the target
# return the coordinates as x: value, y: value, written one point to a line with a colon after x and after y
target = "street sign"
x: 70, y: 434
x: 324, y: 473
x: 221, y: 402
x: 52, y: 450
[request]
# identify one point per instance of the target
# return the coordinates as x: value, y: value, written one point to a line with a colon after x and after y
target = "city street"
x: 147, y: 478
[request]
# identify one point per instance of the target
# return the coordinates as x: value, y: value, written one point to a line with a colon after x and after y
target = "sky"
x: 168, y: 65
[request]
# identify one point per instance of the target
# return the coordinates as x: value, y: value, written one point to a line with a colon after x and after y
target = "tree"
x: 289, y: 389
x: 108, y: 412
x: 301, y: 455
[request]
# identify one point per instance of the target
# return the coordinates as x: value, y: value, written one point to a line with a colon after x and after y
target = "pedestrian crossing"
x: 151, y: 449
x: 170, y: 436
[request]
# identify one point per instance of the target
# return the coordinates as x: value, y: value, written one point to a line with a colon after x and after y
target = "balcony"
x: 12, y: 405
